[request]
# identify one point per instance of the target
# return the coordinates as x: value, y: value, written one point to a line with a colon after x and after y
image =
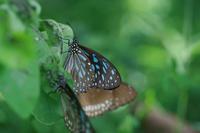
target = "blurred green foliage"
x: 155, y: 44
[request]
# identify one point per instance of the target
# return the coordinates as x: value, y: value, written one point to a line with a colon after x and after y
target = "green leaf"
x: 44, y: 51
x: 58, y: 35
x: 56, y: 31
x: 36, y: 6
x: 16, y: 25
x: 27, y: 10
x: 17, y: 46
x: 20, y: 88
x: 48, y: 109
x: 20, y: 72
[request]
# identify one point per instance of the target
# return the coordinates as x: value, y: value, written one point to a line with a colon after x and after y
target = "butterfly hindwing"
x: 97, y: 101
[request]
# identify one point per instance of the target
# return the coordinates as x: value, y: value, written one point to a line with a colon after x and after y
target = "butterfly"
x: 89, y: 69
x: 97, y: 101
x: 74, y: 116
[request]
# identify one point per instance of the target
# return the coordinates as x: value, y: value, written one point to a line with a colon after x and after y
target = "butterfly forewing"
x: 89, y: 69
x: 71, y: 120
x: 97, y: 101
x: 78, y: 65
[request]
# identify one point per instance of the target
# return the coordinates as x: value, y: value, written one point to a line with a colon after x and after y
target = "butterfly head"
x: 74, y: 46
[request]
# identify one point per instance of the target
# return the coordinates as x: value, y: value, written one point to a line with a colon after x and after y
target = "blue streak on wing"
x: 82, y: 57
x: 84, y: 65
x: 95, y: 58
x: 104, y: 69
x: 85, y: 52
x: 93, y: 68
x: 103, y: 77
x: 112, y: 72
x: 105, y: 65
x: 80, y: 74
x: 83, y: 70
x: 76, y: 66
x: 97, y: 66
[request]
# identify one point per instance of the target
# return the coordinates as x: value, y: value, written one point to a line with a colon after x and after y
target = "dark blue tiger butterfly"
x: 98, y: 78
x: 90, y: 69
x: 74, y: 116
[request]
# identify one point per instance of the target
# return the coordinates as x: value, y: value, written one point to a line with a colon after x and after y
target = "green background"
x: 155, y: 44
